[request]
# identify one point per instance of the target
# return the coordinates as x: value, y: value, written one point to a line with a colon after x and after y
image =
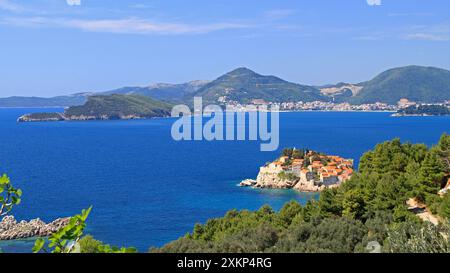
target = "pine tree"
x: 431, y: 173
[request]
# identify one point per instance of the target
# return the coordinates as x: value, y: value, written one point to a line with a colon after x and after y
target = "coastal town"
x: 303, y: 170
x: 311, y: 106
x: 326, y: 106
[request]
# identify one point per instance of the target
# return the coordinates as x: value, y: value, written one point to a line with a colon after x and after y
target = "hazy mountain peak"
x: 198, y: 82
x: 159, y: 85
x: 241, y: 71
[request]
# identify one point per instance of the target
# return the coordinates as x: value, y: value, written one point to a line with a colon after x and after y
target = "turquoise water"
x: 147, y: 189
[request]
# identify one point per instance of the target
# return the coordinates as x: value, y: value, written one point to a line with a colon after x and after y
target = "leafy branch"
x: 9, y: 196
x: 66, y: 239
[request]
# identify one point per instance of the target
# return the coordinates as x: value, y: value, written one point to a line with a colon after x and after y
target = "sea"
x: 147, y: 189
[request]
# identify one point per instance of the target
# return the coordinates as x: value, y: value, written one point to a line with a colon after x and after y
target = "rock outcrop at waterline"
x: 41, y: 117
x: 274, y: 181
x: 10, y: 229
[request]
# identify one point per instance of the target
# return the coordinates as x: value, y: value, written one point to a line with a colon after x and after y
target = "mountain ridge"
x: 244, y: 85
x: 424, y: 84
x: 161, y: 91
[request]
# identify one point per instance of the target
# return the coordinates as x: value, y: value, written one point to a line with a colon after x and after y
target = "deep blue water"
x: 147, y: 189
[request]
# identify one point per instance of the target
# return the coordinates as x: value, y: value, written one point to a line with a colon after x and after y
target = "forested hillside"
x: 416, y: 83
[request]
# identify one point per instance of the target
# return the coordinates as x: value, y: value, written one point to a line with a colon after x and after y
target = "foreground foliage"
x: 70, y: 239
x: 9, y: 196
x: 66, y: 239
x: 368, y: 210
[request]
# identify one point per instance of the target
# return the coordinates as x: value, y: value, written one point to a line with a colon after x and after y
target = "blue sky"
x: 53, y: 47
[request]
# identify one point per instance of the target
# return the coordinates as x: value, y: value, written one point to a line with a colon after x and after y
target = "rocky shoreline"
x: 413, y: 115
x: 63, y: 117
x: 265, y: 181
x: 10, y: 229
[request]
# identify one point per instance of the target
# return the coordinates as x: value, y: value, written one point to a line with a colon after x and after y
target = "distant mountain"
x: 60, y: 101
x: 162, y: 91
x: 243, y: 85
x: 416, y: 83
x: 108, y: 107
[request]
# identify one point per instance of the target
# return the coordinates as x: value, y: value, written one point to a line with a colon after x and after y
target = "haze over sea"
x: 147, y: 189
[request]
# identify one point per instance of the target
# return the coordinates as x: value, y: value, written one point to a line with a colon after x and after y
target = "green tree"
x: 9, y: 196
x: 353, y: 204
x: 298, y: 154
x: 431, y: 173
x: 327, y: 235
x: 443, y: 150
x: 287, y: 152
x: 254, y: 240
x: 444, y: 209
x: 310, y: 211
x: 198, y: 231
x: 89, y: 245
x: 330, y: 203
x: 288, y: 212
x: 416, y: 237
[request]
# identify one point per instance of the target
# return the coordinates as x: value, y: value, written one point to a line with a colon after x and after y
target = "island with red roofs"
x: 303, y: 170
